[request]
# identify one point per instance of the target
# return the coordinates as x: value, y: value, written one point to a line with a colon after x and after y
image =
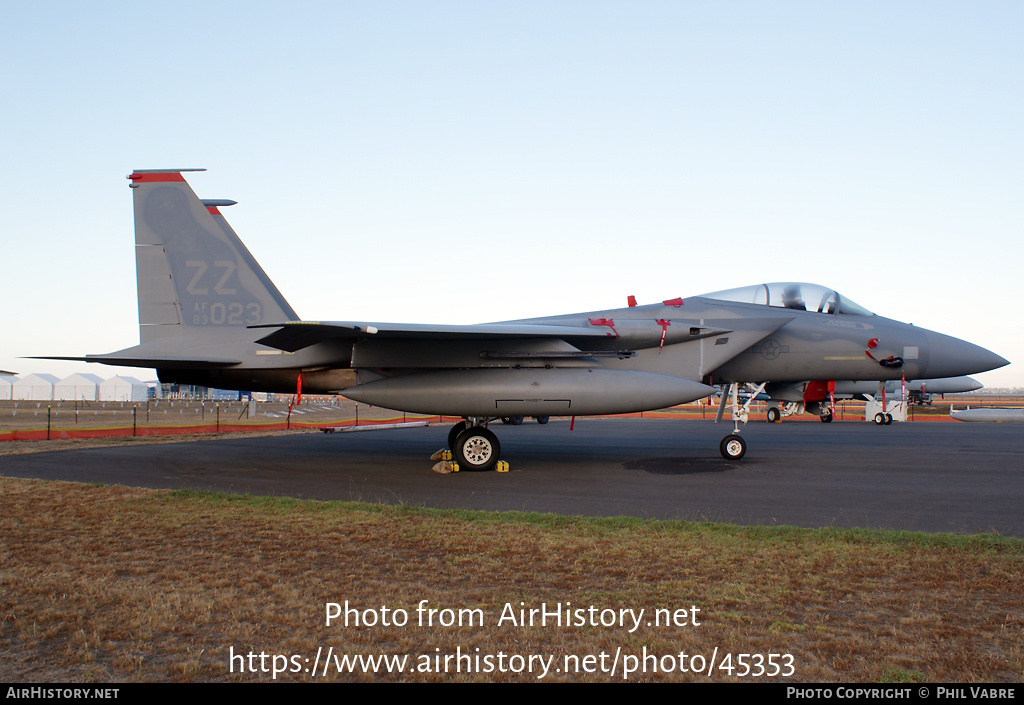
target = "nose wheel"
x: 732, y: 447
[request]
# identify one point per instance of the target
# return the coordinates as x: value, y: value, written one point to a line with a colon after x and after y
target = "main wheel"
x: 542, y: 419
x: 732, y: 447
x: 476, y: 448
x: 454, y: 432
x: 774, y: 415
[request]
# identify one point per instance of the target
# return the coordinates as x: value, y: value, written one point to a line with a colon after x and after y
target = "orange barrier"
x: 41, y: 434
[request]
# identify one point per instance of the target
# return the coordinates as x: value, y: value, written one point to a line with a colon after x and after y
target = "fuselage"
x: 698, y: 339
x: 753, y: 342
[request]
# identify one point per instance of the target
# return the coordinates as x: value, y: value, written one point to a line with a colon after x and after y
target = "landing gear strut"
x: 732, y: 446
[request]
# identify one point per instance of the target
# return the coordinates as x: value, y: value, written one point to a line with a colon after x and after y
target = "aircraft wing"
x: 163, y: 362
x: 295, y: 335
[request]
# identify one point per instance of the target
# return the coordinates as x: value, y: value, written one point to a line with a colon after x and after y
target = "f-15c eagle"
x: 209, y: 315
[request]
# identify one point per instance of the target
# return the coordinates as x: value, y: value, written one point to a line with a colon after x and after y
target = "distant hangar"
x: 76, y: 387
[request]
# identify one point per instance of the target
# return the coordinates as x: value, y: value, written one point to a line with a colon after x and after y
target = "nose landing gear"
x: 732, y: 447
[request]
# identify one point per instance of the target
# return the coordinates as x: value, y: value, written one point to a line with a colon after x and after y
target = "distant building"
x: 6, y: 382
x: 78, y: 387
x: 35, y: 387
x: 123, y: 389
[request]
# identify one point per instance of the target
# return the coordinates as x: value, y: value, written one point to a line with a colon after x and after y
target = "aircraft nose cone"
x: 952, y: 357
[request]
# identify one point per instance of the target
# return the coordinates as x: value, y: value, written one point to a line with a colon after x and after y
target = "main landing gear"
x: 474, y: 447
x: 775, y: 413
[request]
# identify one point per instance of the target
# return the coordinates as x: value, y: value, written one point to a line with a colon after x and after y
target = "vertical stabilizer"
x: 193, y: 271
x: 213, y: 206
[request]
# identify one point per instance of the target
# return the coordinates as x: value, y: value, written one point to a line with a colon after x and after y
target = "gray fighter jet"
x: 816, y: 397
x: 209, y: 315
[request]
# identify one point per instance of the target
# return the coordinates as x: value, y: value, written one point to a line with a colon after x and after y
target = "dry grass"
x: 111, y: 583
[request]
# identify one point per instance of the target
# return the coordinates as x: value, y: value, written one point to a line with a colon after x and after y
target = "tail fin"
x: 193, y: 271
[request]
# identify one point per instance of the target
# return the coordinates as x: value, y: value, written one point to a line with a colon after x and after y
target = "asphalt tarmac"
x: 932, y: 477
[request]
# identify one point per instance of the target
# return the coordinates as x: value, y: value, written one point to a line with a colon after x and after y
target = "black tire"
x: 879, y: 419
x: 454, y: 432
x: 476, y: 448
x: 512, y: 420
x: 888, y: 419
x: 732, y: 447
x: 542, y: 419
x: 774, y: 415
x: 826, y: 418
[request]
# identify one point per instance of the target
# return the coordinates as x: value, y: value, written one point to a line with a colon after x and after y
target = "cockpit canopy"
x: 799, y: 296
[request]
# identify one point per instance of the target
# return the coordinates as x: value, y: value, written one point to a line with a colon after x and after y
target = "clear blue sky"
x: 460, y: 162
